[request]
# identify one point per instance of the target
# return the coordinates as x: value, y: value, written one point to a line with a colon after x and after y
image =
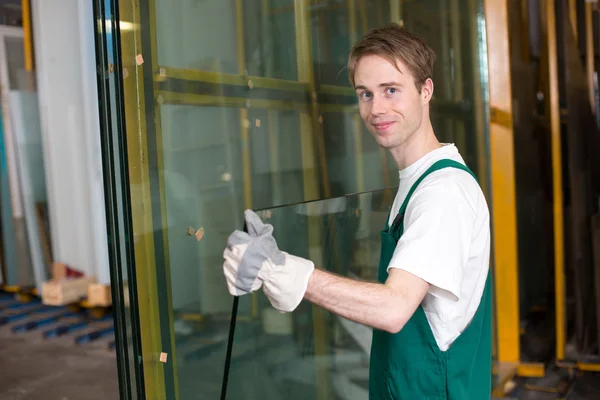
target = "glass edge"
x: 107, y: 99
x: 146, y: 11
x: 126, y: 200
x: 325, y: 199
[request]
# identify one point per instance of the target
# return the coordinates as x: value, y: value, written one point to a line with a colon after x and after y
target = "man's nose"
x: 379, y: 105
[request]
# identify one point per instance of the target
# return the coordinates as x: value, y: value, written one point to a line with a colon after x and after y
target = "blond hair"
x: 395, y: 43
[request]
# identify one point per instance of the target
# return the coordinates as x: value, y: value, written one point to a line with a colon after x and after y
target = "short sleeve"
x: 438, y: 229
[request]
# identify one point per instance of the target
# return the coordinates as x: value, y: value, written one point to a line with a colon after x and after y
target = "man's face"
x: 389, y: 102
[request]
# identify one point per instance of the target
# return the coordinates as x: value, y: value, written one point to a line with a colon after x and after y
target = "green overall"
x: 409, y: 365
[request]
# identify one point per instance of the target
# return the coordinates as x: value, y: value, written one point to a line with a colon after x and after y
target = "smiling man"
x: 431, y: 309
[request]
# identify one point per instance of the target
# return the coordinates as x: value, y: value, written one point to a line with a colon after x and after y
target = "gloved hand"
x: 253, y: 260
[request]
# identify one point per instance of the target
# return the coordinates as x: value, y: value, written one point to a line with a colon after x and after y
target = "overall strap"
x: 441, y: 164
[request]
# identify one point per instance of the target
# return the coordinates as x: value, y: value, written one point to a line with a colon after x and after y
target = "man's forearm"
x: 372, y: 304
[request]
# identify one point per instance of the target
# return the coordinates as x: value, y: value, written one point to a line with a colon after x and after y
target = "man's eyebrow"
x: 384, y: 84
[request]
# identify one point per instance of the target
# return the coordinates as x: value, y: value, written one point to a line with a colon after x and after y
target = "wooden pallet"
x: 98, y: 295
x: 65, y: 291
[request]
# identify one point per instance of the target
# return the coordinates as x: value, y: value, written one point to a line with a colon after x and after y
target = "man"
x: 431, y: 309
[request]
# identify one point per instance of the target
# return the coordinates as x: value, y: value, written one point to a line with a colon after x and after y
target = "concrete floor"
x: 33, y: 368
x: 585, y: 386
x: 55, y: 369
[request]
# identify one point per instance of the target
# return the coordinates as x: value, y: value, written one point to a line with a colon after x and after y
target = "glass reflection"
x: 311, y: 353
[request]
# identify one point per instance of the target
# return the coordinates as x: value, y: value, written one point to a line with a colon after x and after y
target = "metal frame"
x: 503, y: 193
x: 504, y: 219
x: 508, y: 354
x: 27, y: 36
x: 584, y: 364
x: 557, y: 179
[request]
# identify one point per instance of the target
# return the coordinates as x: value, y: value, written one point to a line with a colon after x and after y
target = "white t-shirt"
x: 446, y: 241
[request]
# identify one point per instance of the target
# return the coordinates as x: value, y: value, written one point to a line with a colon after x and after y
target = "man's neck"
x: 416, y: 146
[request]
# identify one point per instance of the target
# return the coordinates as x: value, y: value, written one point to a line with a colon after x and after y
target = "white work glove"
x: 253, y: 260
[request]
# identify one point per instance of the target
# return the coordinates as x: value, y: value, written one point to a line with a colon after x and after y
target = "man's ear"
x: 427, y: 91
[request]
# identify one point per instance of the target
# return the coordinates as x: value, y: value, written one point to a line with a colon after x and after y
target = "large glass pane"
x: 311, y: 353
x: 18, y: 268
x: 26, y: 127
x: 336, y: 26
x: 246, y: 104
x: 254, y: 36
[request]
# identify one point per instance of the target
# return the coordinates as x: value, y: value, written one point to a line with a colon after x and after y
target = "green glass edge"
x: 162, y: 272
x: 111, y: 99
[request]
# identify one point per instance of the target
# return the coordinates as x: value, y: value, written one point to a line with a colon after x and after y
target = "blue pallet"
x: 91, y: 336
x: 64, y: 329
x: 7, y: 304
x: 7, y: 297
x: 72, y: 327
x: 21, y: 305
x: 17, y: 317
x: 31, y: 325
x: 105, y: 318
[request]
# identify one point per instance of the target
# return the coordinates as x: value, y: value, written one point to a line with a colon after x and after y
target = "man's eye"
x: 365, y: 95
x: 391, y: 90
